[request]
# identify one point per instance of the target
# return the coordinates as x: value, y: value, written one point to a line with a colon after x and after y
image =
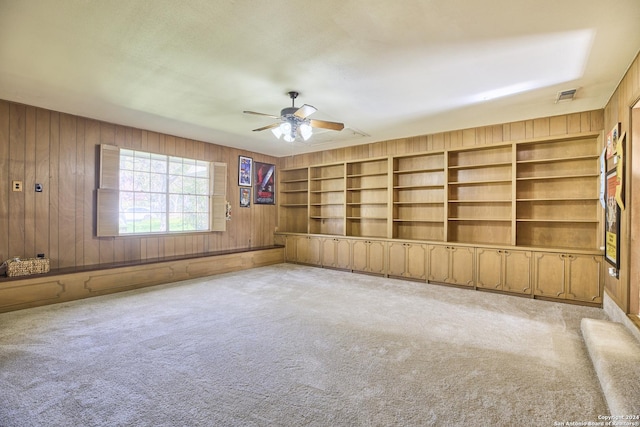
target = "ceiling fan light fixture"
x: 277, y: 132
x: 295, y: 122
x: 306, y: 131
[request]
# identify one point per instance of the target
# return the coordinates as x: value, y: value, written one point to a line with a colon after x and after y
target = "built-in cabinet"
x: 568, y: 276
x: 407, y: 260
x: 368, y: 256
x: 451, y: 264
x: 504, y: 270
x: 336, y: 253
x: 520, y: 217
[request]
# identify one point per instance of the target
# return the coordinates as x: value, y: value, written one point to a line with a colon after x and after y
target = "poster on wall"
x: 620, y: 170
x: 612, y: 140
x: 612, y: 221
x: 264, y: 184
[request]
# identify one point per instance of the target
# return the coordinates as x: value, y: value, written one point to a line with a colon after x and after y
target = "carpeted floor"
x: 288, y: 345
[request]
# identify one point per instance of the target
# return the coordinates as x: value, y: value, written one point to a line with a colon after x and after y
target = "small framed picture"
x: 245, y: 197
x: 245, y: 170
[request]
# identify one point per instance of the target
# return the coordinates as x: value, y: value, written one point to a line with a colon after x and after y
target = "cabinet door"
x: 584, y: 277
x: 377, y: 257
x: 343, y: 252
x: 490, y: 268
x: 397, y: 259
x: 416, y: 261
x: 308, y: 250
x: 461, y: 266
x: 548, y: 272
x: 290, y: 248
x: 313, y: 253
x: 517, y: 272
x: 359, y: 255
x: 438, y: 263
x: 328, y: 252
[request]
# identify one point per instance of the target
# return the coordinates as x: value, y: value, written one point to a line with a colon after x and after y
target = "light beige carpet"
x: 288, y: 345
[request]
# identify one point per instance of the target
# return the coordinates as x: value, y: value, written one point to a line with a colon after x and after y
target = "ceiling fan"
x: 295, y: 121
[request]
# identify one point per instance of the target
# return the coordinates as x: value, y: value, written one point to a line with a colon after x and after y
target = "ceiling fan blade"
x: 326, y: 125
x: 261, y: 114
x: 275, y: 125
x: 305, y: 111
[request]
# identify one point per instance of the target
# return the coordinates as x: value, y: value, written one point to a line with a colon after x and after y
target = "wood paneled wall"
x: 618, y: 110
x: 536, y: 128
x: 60, y: 151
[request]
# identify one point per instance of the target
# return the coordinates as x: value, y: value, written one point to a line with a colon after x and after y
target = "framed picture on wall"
x: 245, y: 166
x: 245, y: 197
x: 612, y: 221
x: 264, y: 184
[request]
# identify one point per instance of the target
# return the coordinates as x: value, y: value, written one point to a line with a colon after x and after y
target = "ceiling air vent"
x: 566, y: 95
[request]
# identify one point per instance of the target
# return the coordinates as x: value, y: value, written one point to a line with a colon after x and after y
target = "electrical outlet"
x: 16, y: 185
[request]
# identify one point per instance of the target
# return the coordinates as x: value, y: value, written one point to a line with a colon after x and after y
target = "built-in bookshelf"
x: 419, y: 197
x: 294, y: 200
x: 367, y: 198
x: 536, y: 193
x: 480, y: 195
x: 557, y: 193
x: 326, y: 199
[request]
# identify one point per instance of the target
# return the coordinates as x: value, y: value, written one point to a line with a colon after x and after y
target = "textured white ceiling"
x: 387, y: 69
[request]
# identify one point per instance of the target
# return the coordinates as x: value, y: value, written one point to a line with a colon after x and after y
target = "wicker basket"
x: 25, y: 267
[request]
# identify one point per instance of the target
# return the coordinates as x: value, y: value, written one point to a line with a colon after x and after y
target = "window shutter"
x: 218, y: 196
x: 107, y: 201
x: 109, y: 167
x: 107, y: 223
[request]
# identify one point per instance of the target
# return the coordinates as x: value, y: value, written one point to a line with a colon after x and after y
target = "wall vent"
x: 566, y: 95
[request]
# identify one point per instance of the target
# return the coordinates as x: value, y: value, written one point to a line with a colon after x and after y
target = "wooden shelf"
x: 416, y: 187
x: 547, y: 178
x: 481, y: 182
x: 479, y: 166
x: 567, y: 220
x: 366, y: 188
x: 425, y: 170
x: 360, y: 175
x: 293, y: 191
x: 326, y: 191
x: 419, y: 220
x: 293, y: 181
x: 559, y: 159
x: 326, y: 178
x: 367, y: 204
x: 441, y: 202
x: 481, y: 201
x: 366, y: 218
x: 326, y: 204
x: 558, y: 199
x: 480, y: 219
x: 293, y: 205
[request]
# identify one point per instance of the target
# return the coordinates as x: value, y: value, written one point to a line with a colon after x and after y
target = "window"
x: 161, y: 193
x: 142, y: 193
